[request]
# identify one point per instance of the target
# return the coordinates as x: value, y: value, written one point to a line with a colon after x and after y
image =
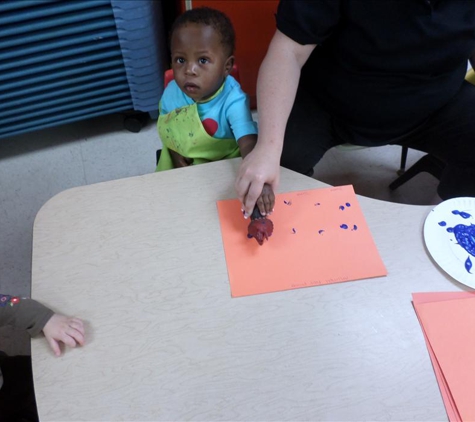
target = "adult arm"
x: 277, y: 84
x: 266, y: 200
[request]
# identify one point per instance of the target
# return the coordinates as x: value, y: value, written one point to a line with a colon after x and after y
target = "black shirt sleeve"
x: 308, y: 21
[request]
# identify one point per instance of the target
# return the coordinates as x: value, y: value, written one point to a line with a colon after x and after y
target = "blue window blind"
x: 60, y: 61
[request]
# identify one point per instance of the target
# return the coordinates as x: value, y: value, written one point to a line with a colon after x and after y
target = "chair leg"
x: 402, y: 168
x: 158, y: 153
x: 427, y: 163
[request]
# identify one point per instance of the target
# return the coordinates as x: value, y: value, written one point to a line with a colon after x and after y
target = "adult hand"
x: 277, y: 85
x: 60, y: 328
x: 260, y: 166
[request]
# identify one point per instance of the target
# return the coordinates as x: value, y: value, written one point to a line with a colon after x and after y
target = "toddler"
x: 204, y: 114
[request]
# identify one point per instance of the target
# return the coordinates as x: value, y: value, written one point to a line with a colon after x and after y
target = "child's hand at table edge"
x: 67, y: 330
x: 266, y: 201
x: 179, y: 160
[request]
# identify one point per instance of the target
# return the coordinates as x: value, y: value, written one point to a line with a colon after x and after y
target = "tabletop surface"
x: 141, y: 260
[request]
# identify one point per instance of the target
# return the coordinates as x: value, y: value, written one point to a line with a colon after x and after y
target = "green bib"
x: 181, y: 130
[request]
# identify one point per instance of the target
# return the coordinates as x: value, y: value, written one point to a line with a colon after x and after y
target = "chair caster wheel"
x: 136, y: 122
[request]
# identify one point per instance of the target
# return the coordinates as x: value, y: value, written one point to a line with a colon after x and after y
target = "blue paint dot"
x: 450, y: 229
x: 355, y: 227
x: 343, y: 226
x: 468, y: 265
x: 294, y: 231
x: 341, y: 207
x: 318, y: 203
x: 249, y: 236
x: 462, y: 214
x: 348, y: 204
x: 442, y: 223
x: 320, y: 231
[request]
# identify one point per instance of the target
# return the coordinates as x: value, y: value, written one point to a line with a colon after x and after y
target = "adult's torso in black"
x: 382, y: 67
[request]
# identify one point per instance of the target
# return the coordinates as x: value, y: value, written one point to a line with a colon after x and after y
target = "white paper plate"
x: 449, y: 233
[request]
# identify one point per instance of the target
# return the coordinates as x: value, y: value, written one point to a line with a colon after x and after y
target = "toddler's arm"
x: 24, y: 314
x: 32, y: 316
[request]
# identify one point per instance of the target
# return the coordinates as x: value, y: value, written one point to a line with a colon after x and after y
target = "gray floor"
x: 36, y: 166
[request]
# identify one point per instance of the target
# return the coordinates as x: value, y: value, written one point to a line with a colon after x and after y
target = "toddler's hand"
x: 60, y: 328
x: 179, y: 160
x: 266, y: 201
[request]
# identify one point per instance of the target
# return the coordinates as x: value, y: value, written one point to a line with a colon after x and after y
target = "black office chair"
x: 428, y: 163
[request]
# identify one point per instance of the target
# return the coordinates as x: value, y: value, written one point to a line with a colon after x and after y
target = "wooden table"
x: 141, y: 260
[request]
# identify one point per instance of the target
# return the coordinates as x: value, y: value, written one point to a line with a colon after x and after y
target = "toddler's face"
x: 199, y: 60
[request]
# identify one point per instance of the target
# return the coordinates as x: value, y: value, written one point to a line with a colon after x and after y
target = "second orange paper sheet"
x: 320, y: 237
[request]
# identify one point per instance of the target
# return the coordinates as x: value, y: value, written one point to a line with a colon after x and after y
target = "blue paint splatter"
x: 465, y: 236
x: 343, y: 226
x: 294, y: 231
x: 320, y: 231
x: 468, y: 265
x: 317, y: 203
x: 249, y: 236
x: 287, y: 202
x: 355, y: 227
x: 348, y: 204
x: 462, y: 214
x: 442, y: 223
x: 341, y: 207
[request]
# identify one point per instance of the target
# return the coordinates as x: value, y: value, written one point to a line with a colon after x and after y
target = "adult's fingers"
x: 255, y: 190
x: 241, y: 187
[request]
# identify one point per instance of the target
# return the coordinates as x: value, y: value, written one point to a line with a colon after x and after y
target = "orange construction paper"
x: 320, y: 237
x: 417, y: 299
x: 448, y: 323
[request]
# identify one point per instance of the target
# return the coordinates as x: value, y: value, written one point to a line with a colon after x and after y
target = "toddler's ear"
x: 228, y: 66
